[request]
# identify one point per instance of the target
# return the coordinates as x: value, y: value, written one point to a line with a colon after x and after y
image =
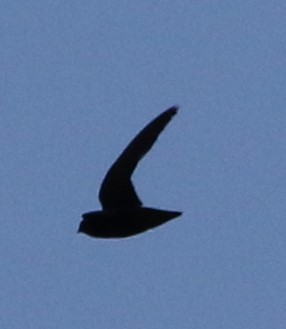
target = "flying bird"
x: 122, y: 213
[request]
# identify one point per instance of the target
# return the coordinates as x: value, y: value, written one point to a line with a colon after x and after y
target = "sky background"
x: 78, y: 79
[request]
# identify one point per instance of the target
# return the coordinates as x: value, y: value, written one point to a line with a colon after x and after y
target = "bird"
x: 123, y: 214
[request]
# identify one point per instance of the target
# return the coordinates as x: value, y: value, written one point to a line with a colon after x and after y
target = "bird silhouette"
x: 123, y: 214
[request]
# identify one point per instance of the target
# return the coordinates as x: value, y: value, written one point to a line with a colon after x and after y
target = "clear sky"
x: 78, y: 80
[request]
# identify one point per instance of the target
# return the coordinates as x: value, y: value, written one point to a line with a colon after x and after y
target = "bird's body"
x: 123, y: 215
x: 124, y: 223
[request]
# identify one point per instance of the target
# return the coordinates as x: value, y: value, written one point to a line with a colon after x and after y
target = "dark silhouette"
x: 123, y: 214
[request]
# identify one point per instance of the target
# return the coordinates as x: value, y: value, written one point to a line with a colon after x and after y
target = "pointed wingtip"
x: 173, y: 110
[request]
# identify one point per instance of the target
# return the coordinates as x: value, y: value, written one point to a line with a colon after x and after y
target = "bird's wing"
x: 117, y: 190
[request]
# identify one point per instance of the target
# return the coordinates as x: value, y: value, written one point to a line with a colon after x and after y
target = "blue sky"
x: 78, y: 81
